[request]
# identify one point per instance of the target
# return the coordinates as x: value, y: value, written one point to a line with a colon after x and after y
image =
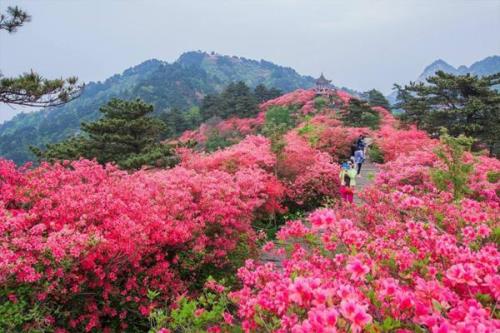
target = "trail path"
x: 368, y: 173
x: 367, y: 176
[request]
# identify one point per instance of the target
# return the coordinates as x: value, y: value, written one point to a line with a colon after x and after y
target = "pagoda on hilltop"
x: 323, y: 86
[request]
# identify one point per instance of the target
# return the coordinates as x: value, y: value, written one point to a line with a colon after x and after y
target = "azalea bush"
x: 310, y: 176
x: 87, y: 242
x: 394, y: 142
x: 86, y: 247
x: 328, y: 135
x: 411, y: 259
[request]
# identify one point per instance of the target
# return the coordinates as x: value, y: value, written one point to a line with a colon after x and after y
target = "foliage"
x: 216, y: 141
x: 360, y: 114
x: 457, y: 172
x: 310, y: 175
x: 408, y: 260
x: 208, y: 311
x: 31, y: 89
x: 236, y: 100
x: 15, y: 18
x: 86, y: 247
x: 262, y: 93
x: 375, y: 153
x: 463, y: 104
x: 88, y: 241
x: 394, y: 142
x: 279, y: 120
x: 319, y: 103
x: 126, y: 135
x: 327, y: 135
x: 376, y: 98
x: 181, y: 84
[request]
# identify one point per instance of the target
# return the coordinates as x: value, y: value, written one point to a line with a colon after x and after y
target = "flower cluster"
x: 309, y: 174
x: 94, y: 248
x: 410, y: 259
x: 394, y: 142
x: 93, y: 240
x: 298, y: 97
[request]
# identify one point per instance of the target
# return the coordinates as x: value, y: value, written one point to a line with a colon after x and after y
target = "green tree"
x: 236, y: 100
x: 278, y: 121
x: 376, y: 98
x: 263, y: 94
x: 126, y: 135
x: 360, y: 114
x: 13, y: 19
x: 463, y: 104
x: 175, y: 122
x: 31, y: 89
x: 456, y: 172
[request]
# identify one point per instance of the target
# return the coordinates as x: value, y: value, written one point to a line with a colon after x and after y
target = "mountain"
x: 180, y: 84
x: 487, y: 66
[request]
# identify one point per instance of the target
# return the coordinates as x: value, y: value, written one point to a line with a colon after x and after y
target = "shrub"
x: 86, y: 242
x: 411, y: 259
x: 375, y: 153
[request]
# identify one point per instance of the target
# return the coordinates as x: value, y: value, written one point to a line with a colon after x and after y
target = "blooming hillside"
x: 87, y: 248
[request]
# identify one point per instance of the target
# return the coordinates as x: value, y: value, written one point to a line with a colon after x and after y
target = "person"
x: 354, y: 147
x: 359, y: 158
x: 347, y: 181
x: 360, y: 143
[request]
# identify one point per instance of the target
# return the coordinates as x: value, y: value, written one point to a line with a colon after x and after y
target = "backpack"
x: 361, y: 144
x: 347, y: 180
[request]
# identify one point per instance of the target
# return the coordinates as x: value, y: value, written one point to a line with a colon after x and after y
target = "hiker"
x: 359, y: 158
x: 347, y: 181
x: 360, y: 143
x: 354, y: 147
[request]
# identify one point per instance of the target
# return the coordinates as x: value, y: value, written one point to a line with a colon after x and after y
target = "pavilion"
x: 323, y: 86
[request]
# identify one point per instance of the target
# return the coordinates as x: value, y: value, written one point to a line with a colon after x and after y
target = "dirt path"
x: 367, y: 176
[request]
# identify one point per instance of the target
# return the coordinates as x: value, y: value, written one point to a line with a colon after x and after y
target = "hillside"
x: 185, y: 249
x: 181, y: 84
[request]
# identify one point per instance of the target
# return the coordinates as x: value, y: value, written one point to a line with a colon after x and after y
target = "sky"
x: 357, y: 44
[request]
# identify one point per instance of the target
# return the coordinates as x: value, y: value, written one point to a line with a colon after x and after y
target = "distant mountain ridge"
x: 487, y: 66
x: 180, y: 84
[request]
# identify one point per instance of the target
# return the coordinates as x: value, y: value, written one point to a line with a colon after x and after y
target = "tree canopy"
x: 13, y: 19
x: 376, y: 98
x: 262, y: 93
x: 31, y: 89
x: 360, y: 114
x: 463, y: 104
x: 126, y: 135
x: 236, y: 100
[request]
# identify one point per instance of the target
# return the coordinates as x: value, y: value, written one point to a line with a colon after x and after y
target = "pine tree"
x: 263, y: 94
x: 31, y: 89
x: 237, y: 100
x: 463, y: 104
x: 376, y: 98
x: 126, y: 135
x: 360, y: 114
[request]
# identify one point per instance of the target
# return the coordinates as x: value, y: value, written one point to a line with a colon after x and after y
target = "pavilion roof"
x: 322, y: 80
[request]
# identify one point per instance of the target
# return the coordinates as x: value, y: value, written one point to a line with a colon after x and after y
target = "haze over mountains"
x: 180, y: 84
x: 487, y: 66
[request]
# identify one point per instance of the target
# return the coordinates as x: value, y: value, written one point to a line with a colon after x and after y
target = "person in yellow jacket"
x: 347, y: 176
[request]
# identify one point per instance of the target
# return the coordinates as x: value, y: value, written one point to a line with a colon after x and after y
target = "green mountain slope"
x: 180, y: 84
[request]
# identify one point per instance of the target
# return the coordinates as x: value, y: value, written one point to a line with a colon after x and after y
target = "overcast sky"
x: 358, y: 44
